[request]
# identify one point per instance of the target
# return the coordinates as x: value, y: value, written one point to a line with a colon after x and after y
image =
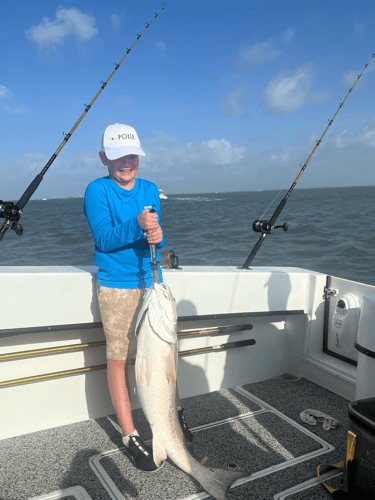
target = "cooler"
x: 361, y: 470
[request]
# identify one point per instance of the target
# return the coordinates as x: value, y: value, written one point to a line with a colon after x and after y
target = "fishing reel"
x: 263, y: 226
x: 11, y: 213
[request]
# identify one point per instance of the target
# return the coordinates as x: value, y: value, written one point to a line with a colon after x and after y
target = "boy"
x: 117, y: 208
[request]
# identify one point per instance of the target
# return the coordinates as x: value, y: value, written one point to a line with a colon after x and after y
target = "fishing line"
x: 265, y: 227
x: 12, y: 212
x: 272, y: 202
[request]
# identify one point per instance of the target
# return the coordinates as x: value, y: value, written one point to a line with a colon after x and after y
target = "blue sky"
x: 225, y: 95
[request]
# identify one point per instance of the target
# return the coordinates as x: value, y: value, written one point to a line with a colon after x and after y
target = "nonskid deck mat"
x: 58, y: 459
x: 204, y: 409
x: 261, y: 441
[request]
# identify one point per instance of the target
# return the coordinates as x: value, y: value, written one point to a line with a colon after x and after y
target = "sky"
x: 224, y: 95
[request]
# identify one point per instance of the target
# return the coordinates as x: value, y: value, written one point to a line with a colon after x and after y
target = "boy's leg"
x: 119, y: 310
x: 119, y: 389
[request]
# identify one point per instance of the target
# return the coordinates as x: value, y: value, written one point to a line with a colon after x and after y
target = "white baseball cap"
x: 121, y: 140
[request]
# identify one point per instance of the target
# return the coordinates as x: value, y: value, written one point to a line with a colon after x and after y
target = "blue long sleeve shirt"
x: 122, y: 253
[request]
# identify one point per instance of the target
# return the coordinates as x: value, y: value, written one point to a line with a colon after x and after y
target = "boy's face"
x: 123, y: 170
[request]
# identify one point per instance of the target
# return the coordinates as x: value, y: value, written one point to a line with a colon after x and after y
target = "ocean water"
x: 331, y: 230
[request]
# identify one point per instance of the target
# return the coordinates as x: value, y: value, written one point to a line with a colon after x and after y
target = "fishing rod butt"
x: 254, y: 251
x: 154, y: 264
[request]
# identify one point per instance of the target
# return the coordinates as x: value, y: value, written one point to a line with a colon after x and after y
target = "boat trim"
x: 49, y: 350
x: 306, y: 485
x: 48, y: 376
x: 364, y: 350
x: 337, y: 372
x: 52, y: 328
x: 77, y: 347
x: 241, y: 315
x: 78, y: 492
x: 99, y: 324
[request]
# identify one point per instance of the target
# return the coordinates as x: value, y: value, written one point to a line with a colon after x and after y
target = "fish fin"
x: 144, y: 367
x: 149, y: 371
x: 170, y: 366
x: 140, y: 367
x: 159, y: 453
x: 138, y: 370
x: 216, y: 481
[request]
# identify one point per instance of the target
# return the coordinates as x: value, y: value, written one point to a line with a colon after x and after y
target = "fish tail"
x: 216, y: 481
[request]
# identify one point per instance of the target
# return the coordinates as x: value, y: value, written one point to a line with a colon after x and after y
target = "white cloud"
x: 252, y: 57
x: 230, y: 105
x: 348, y: 79
x: 161, y: 46
x: 359, y: 28
x: 263, y: 52
x: 368, y: 133
x: 68, y: 22
x: 223, y: 153
x: 164, y: 150
x: 288, y: 35
x: 365, y: 137
x: 19, y: 110
x: 287, y: 93
x: 344, y: 158
x: 116, y: 20
x: 10, y: 107
x: 258, y: 54
x: 3, y: 91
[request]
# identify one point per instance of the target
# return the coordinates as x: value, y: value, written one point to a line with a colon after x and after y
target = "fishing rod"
x: 12, y: 212
x: 265, y: 227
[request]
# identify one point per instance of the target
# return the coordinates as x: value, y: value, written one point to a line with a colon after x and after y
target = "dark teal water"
x: 330, y: 230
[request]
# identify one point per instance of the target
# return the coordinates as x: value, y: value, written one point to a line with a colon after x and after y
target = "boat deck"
x: 255, y: 427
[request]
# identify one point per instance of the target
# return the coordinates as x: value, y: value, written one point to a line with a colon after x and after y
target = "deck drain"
x: 232, y: 466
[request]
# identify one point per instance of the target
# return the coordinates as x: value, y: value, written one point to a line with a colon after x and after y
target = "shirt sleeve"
x: 107, y: 237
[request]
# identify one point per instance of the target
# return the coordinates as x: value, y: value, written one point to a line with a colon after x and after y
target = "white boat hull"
x: 49, y: 307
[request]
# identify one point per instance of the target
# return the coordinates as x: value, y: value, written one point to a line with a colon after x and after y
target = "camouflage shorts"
x: 119, y: 309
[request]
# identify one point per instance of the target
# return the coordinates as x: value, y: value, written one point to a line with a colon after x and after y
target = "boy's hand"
x: 154, y: 236
x: 150, y: 224
x: 148, y: 220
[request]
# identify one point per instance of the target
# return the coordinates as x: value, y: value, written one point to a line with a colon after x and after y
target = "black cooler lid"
x: 363, y: 412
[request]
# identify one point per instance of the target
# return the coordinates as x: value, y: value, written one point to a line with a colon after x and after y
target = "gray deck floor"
x: 257, y: 439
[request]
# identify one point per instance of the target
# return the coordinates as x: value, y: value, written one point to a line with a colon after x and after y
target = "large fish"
x: 155, y: 371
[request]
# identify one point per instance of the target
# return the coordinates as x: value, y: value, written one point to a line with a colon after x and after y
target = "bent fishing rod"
x: 12, y: 212
x: 265, y: 227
